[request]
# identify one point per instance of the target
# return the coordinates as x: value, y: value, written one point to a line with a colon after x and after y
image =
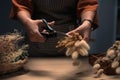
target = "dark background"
x: 105, y: 35
x: 6, y: 24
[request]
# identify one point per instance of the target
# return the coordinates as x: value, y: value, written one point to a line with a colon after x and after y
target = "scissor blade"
x: 61, y: 33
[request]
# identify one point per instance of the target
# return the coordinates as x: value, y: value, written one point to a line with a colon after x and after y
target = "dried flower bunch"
x: 110, y: 63
x: 75, y: 45
x: 11, y: 53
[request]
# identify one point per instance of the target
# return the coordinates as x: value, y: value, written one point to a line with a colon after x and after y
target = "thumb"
x: 40, y: 23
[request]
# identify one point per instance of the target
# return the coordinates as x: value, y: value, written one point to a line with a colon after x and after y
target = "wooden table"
x: 56, y: 69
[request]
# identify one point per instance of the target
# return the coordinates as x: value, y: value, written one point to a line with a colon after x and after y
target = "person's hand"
x: 84, y: 30
x: 32, y: 28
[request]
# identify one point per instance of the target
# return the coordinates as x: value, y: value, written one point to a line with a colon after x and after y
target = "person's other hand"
x: 84, y: 30
x: 32, y: 28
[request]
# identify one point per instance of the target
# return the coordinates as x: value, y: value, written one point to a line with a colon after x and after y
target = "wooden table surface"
x: 56, y: 69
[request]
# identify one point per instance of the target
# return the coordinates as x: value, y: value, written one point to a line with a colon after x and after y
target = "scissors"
x: 51, y: 32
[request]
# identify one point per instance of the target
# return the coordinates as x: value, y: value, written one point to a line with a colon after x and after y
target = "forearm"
x: 87, y: 17
x: 24, y: 17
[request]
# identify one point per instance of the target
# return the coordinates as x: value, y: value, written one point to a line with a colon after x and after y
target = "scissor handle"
x: 47, y: 26
x: 52, y: 32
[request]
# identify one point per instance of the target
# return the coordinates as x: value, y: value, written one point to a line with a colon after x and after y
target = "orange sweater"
x: 82, y: 6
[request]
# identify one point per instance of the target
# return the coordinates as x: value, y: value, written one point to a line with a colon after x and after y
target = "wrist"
x: 27, y: 23
x: 28, y: 20
x: 87, y: 22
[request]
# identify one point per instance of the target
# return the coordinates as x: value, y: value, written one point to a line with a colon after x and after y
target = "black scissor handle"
x: 50, y: 30
x: 47, y: 27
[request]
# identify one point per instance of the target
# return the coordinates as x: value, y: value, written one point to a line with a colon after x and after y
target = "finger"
x: 40, y: 38
x: 45, y: 32
x: 68, y: 33
x: 71, y: 32
x: 51, y: 23
x: 37, y: 37
x: 40, y: 23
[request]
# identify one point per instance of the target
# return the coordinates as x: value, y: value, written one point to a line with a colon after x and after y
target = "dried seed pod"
x: 64, y: 42
x: 117, y: 51
x: 118, y: 54
x: 111, y: 53
x: 117, y: 43
x: 96, y: 66
x: 115, y: 64
x: 119, y: 47
x: 85, y: 45
x: 99, y: 73
x: 77, y: 43
x: 72, y: 49
x: 98, y: 60
x: 118, y: 70
x: 69, y: 44
x: 117, y: 59
x: 82, y: 51
x: 61, y: 43
x: 105, y: 59
x: 75, y: 55
x: 69, y: 52
x: 80, y: 37
x: 76, y: 34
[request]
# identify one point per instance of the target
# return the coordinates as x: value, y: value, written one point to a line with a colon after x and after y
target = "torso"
x: 63, y: 12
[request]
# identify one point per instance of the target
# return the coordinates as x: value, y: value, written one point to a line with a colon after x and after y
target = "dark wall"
x: 105, y: 35
x: 6, y: 24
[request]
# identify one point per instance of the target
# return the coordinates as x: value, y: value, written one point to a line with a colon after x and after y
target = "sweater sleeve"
x: 88, y: 5
x: 21, y: 5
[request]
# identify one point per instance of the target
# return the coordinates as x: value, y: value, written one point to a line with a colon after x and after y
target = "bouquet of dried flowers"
x: 75, y: 46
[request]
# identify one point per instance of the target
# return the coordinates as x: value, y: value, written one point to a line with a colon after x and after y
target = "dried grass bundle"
x: 12, y: 56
